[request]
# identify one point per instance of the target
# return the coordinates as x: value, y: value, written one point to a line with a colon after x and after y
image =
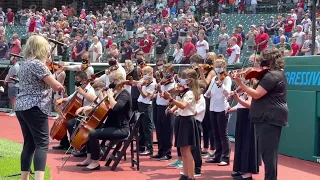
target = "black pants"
x: 207, y: 128
x: 134, y: 104
x: 196, y: 152
x: 72, y: 123
x: 145, y: 129
x: 35, y: 131
x: 268, y: 137
x: 109, y: 133
x: 219, y: 121
x: 164, y: 131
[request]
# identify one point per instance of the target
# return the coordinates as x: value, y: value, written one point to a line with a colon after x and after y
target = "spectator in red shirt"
x: 64, y: 11
x: 109, y: 42
x: 15, y: 46
x: 165, y: 13
x: 238, y: 36
x: 288, y: 26
x: 32, y: 25
x: 262, y: 40
x: 83, y: 14
x: 10, y: 17
x: 294, y: 46
x: 188, y: 50
x: 146, y: 45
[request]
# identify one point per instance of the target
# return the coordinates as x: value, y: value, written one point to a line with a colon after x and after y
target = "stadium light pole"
x: 314, y: 14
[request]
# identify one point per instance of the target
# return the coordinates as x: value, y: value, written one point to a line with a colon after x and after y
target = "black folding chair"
x: 123, y: 144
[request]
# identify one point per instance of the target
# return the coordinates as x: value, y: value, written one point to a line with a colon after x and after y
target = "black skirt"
x: 246, y: 155
x: 185, y: 131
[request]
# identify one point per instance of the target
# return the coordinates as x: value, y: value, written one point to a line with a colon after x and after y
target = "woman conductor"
x: 269, y: 110
x: 33, y: 105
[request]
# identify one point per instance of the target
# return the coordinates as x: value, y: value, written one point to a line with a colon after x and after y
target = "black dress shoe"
x: 146, y: 153
x: 91, y: 169
x: 240, y: 177
x: 183, y: 177
x: 236, y: 174
x: 79, y: 154
x: 60, y: 147
x: 82, y: 165
x: 212, y: 161
x: 157, y: 156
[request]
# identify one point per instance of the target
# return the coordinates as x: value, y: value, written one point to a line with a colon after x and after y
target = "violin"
x: 166, y: 80
x: 146, y: 82
x: 84, y: 66
x: 250, y: 73
x: 53, y: 66
x: 206, y: 67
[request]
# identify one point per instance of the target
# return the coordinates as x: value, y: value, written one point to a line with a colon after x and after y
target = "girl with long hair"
x: 186, y: 130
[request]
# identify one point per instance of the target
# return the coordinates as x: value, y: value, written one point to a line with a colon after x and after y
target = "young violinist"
x: 218, y: 92
x: 85, y: 65
x: 60, y: 76
x: 199, y: 116
x: 147, y: 90
x: 206, y: 76
x: 164, y: 122
x: 85, y: 92
x: 246, y: 149
x: 269, y: 110
x: 116, y: 126
x: 186, y: 130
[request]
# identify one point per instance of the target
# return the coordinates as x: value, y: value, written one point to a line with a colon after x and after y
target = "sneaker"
x: 208, y: 156
x: 196, y: 174
x: 180, y: 166
x: 223, y: 163
x: 12, y: 114
x: 175, y: 163
x: 164, y: 158
x: 55, y: 118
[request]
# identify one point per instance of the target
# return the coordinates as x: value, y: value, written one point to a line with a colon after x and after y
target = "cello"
x: 59, y: 128
x: 94, y: 119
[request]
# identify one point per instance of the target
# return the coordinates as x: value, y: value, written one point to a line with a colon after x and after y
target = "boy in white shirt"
x: 147, y: 90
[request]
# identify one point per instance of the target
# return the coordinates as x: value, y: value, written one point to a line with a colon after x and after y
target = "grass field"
x: 10, y: 160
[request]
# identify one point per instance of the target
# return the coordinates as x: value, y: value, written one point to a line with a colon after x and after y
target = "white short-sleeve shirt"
x: 235, y: 51
x: 147, y: 89
x: 200, y: 108
x: 161, y: 101
x: 89, y: 90
x: 190, y: 109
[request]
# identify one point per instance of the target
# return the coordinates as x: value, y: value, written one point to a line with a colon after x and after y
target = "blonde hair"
x: 37, y: 47
x: 212, y: 56
x: 220, y: 62
x: 129, y: 65
x: 147, y: 70
x: 116, y: 75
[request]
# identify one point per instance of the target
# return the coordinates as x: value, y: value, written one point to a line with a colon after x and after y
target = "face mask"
x: 112, y: 63
x: 208, y: 61
x: 160, y: 68
x: 146, y: 77
x: 97, y: 93
x: 112, y: 85
x: 219, y: 70
x: 264, y: 64
x: 78, y: 83
x: 183, y: 82
x: 139, y: 61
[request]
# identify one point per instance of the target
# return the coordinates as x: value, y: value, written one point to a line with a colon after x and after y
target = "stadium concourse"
x: 289, y: 168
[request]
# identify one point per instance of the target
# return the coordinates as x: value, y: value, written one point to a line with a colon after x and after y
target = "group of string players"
x: 179, y: 103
